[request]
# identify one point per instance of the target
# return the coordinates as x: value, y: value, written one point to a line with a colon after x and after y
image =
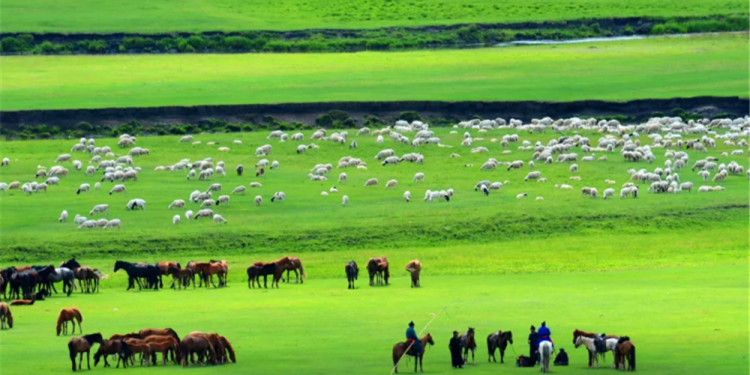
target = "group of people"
x: 535, y: 338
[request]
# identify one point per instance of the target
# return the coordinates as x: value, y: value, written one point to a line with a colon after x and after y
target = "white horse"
x: 611, y: 344
x: 545, y: 353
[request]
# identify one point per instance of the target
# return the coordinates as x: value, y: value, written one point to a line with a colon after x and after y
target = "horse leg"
x: 80, y: 360
x: 502, y: 356
x: 88, y: 358
x: 473, y: 362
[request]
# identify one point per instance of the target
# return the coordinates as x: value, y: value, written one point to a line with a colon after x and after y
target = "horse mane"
x: 229, y: 348
x: 93, y: 337
x: 172, y: 333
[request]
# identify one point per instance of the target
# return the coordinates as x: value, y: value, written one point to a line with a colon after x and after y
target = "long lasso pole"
x: 420, y: 333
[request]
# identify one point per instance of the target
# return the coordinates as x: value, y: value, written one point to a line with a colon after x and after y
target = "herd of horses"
x: 27, y: 284
x: 150, y: 276
x: 276, y: 270
x: 379, y: 272
x: 209, y: 348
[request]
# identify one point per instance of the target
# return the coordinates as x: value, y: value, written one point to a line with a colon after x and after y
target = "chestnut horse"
x: 196, y: 345
x: 498, y: 340
x: 404, y: 348
x: 414, y: 268
x: 71, y: 314
x: 6, y: 318
x: 208, y: 270
x: 80, y: 345
x: 112, y: 347
x: 378, y: 267
x: 222, y: 278
x: 164, y: 267
x: 292, y: 264
x: 23, y: 302
x: 146, y: 332
x: 625, y: 350
x: 468, y: 343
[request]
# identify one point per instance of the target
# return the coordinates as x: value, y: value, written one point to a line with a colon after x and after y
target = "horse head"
x: 94, y: 337
x: 509, y: 336
x: 428, y: 339
x: 119, y: 265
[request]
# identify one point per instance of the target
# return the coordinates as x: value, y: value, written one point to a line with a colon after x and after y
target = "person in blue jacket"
x: 413, y: 340
x: 544, y: 333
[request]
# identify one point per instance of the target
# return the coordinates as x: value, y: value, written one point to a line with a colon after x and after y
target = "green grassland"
x: 649, y: 68
x: 231, y: 15
x: 375, y: 217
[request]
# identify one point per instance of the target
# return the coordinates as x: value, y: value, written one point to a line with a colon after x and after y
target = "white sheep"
x: 333, y: 189
x: 214, y: 187
x: 418, y: 177
x: 540, y: 198
x: 78, y: 220
x: 136, y: 203
x: 90, y: 224
x: 219, y: 219
x: 189, y: 214
x: 608, y: 193
x: 344, y: 200
x: 533, y: 176
x: 278, y: 196
x: 258, y: 200
x: 177, y: 203
x: 63, y: 216
x: 113, y: 223
x: 686, y: 186
x: 176, y: 219
x: 342, y: 178
x: 83, y: 187
x: 239, y: 190
x: 256, y: 185
x: 117, y: 189
x: 223, y: 199
x: 574, y: 168
x: 391, y: 184
x: 203, y: 213
x: 371, y: 182
x: 407, y: 196
x: 6, y: 162
x: 207, y: 203
x: 523, y: 195
x: 100, y: 208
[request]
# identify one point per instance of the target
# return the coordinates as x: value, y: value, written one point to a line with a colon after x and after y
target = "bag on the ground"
x: 524, y: 361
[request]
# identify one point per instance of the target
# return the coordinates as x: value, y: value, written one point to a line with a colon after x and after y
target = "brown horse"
x: 196, y: 345
x: 88, y: 277
x: 215, y: 341
x: 292, y: 264
x: 112, y: 347
x: 222, y: 278
x: 6, y: 318
x: 137, y: 346
x: 23, y: 302
x: 80, y: 345
x: 378, y: 266
x: 414, y: 268
x: 498, y: 340
x: 229, y: 349
x: 625, y: 350
x: 404, y: 348
x: 164, y: 267
x: 468, y: 343
x: 71, y: 314
x: 208, y: 270
x: 592, y: 335
x: 182, y: 277
x: 164, y: 345
x: 146, y: 332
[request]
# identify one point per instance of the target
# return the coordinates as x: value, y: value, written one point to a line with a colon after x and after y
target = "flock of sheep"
x: 672, y: 136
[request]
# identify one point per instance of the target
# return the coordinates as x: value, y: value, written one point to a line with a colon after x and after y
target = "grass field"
x: 650, y: 68
x: 212, y: 15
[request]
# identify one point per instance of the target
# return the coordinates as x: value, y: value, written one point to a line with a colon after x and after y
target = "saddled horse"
x: 498, y: 340
x: 352, y: 272
x: 222, y: 277
x: 378, y: 266
x: 292, y: 264
x: 66, y: 276
x: 80, y: 345
x: 545, y: 355
x: 164, y: 267
x: 610, y: 343
x: 150, y: 271
x: 6, y: 318
x: 404, y: 348
x: 625, y: 350
x: 468, y: 343
x: 71, y: 314
x: 414, y: 268
x: 591, y: 345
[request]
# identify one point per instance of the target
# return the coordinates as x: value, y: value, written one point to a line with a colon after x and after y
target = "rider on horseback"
x: 544, y: 333
x: 413, y: 340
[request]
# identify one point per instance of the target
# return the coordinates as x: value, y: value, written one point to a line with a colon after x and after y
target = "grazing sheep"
x: 62, y: 158
x: 89, y: 224
x: 214, y: 187
x: 301, y: 149
x: 219, y: 219
x: 342, y: 178
x: 574, y: 168
x: 78, y: 220
x: 344, y: 200
x: 533, y: 176
x: 83, y: 187
x: 189, y: 214
x: 524, y: 195
x: 117, y: 189
x: 239, y: 190
x: 278, y: 196
x: 113, y: 223
x: 390, y: 160
x: 418, y: 177
x: 208, y: 203
x: 177, y: 203
x: 176, y: 219
x: 575, y: 178
x: 371, y: 182
x: 97, y: 186
x: 496, y: 186
x: 485, y: 190
x: 275, y: 165
x: 136, y: 203
x: 100, y: 208
x: 391, y: 184
x: 353, y: 144
x: 63, y: 216
x: 203, y: 213
x: 187, y: 138
x: 589, y: 191
x: 518, y: 164
x: 258, y: 200
x: 256, y: 185
x: 628, y: 191
x: 686, y: 186
x: 223, y: 199
x: 6, y: 162
x: 608, y: 193
x: 191, y: 174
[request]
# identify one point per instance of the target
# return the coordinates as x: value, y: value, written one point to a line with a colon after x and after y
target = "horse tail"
x: 9, y: 317
x: 302, y: 269
x: 396, y: 354
x: 632, y: 358
x: 229, y: 347
x: 546, y: 355
x: 72, y: 352
x: 78, y: 316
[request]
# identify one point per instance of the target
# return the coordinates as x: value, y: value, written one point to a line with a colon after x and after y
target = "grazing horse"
x: 150, y: 271
x: 545, y: 353
x: 468, y: 343
x: 352, y: 272
x: 414, y: 268
x: 132, y: 335
x: 229, y: 349
x: 253, y: 274
x: 164, y: 345
x: 6, y: 318
x: 82, y: 345
x: 196, y: 345
x: 222, y: 278
x: 404, y: 348
x: 216, y: 342
x: 71, y: 314
x: 146, y: 332
x: 182, y: 277
x: 208, y: 270
x: 378, y: 267
x: 138, y: 346
x: 112, y: 347
x: 67, y: 277
x: 625, y: 350
x: 498, y: 340
x: 164, y: 270
x: 292, y: 264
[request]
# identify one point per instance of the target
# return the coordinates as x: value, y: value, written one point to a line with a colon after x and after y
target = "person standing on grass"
x: 413, y: 340
x: 455, y: 347
x: 533, y: 344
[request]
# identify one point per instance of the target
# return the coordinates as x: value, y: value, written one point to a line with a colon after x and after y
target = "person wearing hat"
x: 455, y: 347
x: 544, y: 333
x: 413, y: 340
x: 533, y: 343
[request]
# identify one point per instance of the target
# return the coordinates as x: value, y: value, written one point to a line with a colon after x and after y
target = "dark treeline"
x: 385, y: 39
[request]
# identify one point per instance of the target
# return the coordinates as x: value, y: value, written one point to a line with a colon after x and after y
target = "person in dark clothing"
x: 455, y: 347
x: 562, y: 358
x: 533, y: 344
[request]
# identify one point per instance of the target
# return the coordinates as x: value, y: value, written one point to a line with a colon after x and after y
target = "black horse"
x: 149, y: 271
x: 6, y: 274
x: 265, y: 270
x: 43, y: 273
x: 22, y: 284
x: 71, y: 264
x: 352, y: 272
